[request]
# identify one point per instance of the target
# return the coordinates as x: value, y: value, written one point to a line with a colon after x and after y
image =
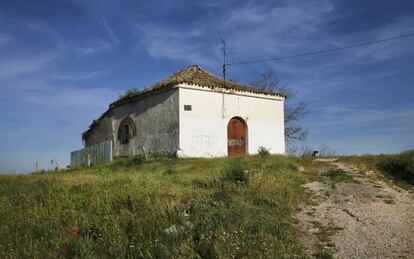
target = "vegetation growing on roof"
x: 193, y: 75
x: 129, y: 92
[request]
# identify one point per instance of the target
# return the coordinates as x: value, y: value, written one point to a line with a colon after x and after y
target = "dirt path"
x: 357, y: 215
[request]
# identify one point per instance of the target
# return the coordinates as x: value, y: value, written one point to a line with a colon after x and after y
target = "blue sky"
x: 63, y: 62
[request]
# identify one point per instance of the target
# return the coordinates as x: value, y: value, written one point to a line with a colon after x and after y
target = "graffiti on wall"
x: 235, y: 142
x: 205, y: 144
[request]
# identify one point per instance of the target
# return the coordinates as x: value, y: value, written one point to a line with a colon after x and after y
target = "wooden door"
x: 236, y: 137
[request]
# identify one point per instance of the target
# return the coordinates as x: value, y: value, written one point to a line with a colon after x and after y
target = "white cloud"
x: 174, y: 43
x: 13, y: 66
x: 391, y: 49
x: 259, y: 30
x: 339, y: 117
x: 111, y: 33
x: 281, y: 30
x: 98, y: 45
x: 358, y: 130
x: 67, y: 99
x: 251, y: 31
x: 77, y: 76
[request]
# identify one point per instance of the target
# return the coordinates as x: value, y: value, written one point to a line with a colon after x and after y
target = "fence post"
x: 88, y: 159
x: 91, y: 155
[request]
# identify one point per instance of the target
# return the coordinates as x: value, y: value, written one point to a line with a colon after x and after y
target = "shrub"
x: 400, y: 167
x: 236, y: 172
x: 263, y: 152
x: 326, y: 151
x: 170, y: 171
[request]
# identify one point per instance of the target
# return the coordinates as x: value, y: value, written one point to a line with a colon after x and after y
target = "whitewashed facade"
x: 188, y: 114
x: 203, y: 130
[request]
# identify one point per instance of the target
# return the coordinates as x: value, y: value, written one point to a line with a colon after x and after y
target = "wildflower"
x: 213, y: 237
x: 65, y: 247
x: 78, y: 232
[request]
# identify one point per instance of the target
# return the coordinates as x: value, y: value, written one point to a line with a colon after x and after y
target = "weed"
x: 236, y: 172
x: 338, y: 175
x: 266, y: 200
x: 203, y: 184
x: 323, y: 253
x: 324, y: 247
x: 218, y: 207
x: 397, y: 167
x: 170, y: 171
x: 263, y: 152
x: 400, y: 167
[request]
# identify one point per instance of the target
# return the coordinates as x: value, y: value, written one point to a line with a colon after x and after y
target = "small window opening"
x: 187, y: 107
x: 125, y: 134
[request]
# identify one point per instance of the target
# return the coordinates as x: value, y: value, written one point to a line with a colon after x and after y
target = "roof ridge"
x: 202, y: 69
x: 192, y: 74
x: 208, y: 72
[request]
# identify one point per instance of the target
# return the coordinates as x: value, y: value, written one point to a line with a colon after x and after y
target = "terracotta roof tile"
x: 196, y: 75
x: 193, y: 75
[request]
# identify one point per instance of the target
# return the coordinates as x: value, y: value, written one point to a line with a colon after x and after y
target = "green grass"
x: 337, y: 176
x: 400, y: 166
x: 165, y: 208
x: 162, y: 208
x: 325, y: 247
x: 397, y: 167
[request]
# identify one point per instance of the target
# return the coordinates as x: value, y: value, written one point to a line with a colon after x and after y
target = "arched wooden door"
x: 236, y: 137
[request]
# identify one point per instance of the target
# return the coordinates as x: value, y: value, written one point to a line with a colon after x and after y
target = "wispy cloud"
x: 77, y: 76
x: 56, y: 59
x: 362, y: 130
x: 176, y: 43
x: 98, y: 45
x: 13, y: 66
x: 41, y: 26
x: 63, y: 98
x: 347, y: 118
x: 110, y: 31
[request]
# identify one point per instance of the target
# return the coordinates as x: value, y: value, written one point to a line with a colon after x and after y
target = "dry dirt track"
x: 362, y: 218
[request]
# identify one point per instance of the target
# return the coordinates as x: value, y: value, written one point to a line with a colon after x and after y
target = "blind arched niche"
x: 126, y: 130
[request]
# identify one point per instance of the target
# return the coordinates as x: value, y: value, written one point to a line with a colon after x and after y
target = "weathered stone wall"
x: 100, y: 133
x: 156, y: 121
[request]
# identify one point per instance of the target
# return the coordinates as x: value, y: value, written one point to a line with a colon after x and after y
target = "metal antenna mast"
x: 223, y: 48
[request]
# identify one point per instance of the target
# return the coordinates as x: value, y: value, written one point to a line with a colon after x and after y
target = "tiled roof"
x: 196, y: 75
x: 193, y: 75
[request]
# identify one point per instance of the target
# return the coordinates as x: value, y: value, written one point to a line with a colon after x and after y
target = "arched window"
x: 126, y: 130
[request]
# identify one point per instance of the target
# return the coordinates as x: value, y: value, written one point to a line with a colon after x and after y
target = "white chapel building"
x: 192, y: 113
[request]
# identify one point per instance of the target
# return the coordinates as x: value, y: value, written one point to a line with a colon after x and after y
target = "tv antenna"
x: 223, y: 49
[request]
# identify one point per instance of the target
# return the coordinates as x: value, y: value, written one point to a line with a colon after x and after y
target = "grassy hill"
x: 188, y: 208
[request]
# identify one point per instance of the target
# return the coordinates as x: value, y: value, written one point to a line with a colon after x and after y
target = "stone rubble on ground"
x: 377, y: 219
